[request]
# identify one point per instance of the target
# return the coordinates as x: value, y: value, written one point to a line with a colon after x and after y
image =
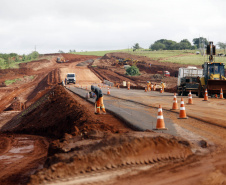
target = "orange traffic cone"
x: 206, y: 96
x: 221, y: 94
x: 175, y: 105
x: 190, y: 98
x: 160, y: 120
x: 161, y: 90
x: 118, y: 86
x: 145, y: 89
x: 108, y: 92
x: 86, y: 88
x: 182, y: 114
x: 128, y: 87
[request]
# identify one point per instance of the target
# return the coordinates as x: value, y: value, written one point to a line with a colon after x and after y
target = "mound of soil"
x: 110, y: 152
x: 37, y: 64
x: 58, y: 115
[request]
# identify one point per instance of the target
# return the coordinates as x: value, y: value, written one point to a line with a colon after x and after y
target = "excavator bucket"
x: 214, y: 86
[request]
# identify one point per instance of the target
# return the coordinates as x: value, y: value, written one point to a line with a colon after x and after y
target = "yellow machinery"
x: 213, y: 75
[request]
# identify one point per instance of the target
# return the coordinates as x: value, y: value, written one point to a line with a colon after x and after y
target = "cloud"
x: 101, y: 24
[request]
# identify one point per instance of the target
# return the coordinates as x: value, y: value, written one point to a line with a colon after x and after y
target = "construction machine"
x: 61, y: 60
x: 213, y: 75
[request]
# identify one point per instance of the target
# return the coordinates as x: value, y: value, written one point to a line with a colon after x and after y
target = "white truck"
x: 188, y: 80
x: 71, y: 78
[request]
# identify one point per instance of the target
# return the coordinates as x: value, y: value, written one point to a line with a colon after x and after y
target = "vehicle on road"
x: 71, y: 78
x: 213, y: 75
x: 188, y: 80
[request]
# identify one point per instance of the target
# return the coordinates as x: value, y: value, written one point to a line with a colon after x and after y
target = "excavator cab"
x: 213, y: 71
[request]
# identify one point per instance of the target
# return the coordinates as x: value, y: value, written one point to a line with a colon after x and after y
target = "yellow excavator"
x: 213, y: 75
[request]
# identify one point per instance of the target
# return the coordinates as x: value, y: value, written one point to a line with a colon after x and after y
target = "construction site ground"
x: 50, y: 134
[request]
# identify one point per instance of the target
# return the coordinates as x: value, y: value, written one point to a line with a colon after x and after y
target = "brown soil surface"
x: 55, y: 135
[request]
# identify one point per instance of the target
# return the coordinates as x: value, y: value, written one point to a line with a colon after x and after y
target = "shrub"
x: 132, y: 71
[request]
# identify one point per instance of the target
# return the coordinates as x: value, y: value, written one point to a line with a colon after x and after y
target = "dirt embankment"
x: 58, y: 115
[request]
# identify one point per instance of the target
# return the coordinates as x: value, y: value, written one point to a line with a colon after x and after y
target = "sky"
x: 48, y: 26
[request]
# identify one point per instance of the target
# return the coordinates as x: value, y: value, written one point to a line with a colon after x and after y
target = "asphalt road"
x: 137, y: 115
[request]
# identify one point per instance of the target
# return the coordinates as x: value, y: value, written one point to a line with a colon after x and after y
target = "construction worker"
x: 128, y: 85
x: 99, y: 99
x: 148, y: 86
x: 163, y: 86
x: 154, y: 88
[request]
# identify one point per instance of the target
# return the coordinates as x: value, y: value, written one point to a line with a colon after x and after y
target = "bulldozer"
x: 213, y: 78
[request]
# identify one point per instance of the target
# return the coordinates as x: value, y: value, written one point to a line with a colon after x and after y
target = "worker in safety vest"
x: 99, y: 99
x: 163, y: 86
x: 154, y: 88
x: 128, y: 85
x: 148, y: 86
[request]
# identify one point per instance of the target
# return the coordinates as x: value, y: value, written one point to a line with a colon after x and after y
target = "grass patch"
x: 9, y: 82
x: 179, y: 56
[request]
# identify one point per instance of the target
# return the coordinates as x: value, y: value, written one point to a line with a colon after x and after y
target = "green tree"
x: 24, y: 57
x: 200, y: 42
x: 185, y: 44
x: 17, y: 59
x: 222, y: 45
x: 157, y: 46
x: 34, y: 55
x: 136, y: 46
x: 132, y: 71
x: 8, y: 62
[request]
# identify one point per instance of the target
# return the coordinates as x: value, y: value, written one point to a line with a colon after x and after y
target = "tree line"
x: 164, y: 44
x: 7, y: 59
